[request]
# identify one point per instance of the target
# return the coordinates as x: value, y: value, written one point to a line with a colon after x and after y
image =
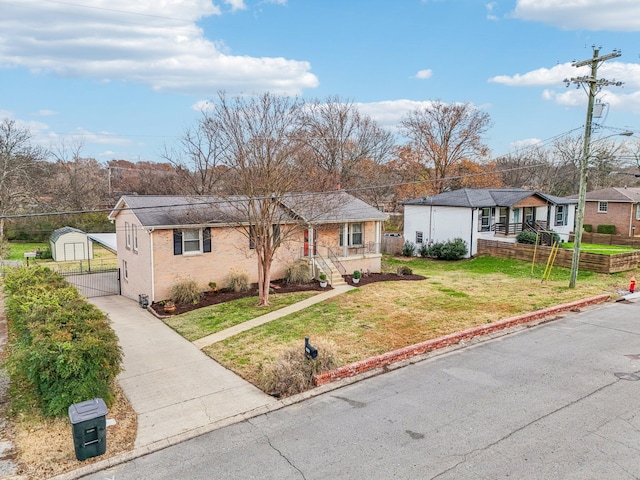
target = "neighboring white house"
x: 492, y: 213
x: 68, y: 243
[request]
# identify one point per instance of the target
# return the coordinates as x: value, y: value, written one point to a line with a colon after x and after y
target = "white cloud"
x: 424, y: 74
x: 155, y: 42
x: 629, y: 73
x: 46, y: 113
x: 541, y: 76
x: 525, y: 143
x: 614, y: 15
x: 490, y: 8
x: 236, y: 4
x: 388, y: 113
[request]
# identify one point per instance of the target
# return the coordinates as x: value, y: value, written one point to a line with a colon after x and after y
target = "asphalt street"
x: 557, y: 401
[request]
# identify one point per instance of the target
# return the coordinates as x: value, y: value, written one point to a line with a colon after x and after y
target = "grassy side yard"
x: 205, y: 321
x: 18, y: 249
x: 380, y: 317
x: 602, y: 249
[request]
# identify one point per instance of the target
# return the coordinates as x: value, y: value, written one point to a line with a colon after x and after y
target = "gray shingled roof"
x: 484, y: 197
x: 174, y: 211
x: 618, y: 194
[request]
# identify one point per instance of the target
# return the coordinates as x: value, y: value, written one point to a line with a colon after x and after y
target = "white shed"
x: 68, y: 243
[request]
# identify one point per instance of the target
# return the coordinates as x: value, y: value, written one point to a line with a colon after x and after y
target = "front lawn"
x: 205, y: 321
x: 384, y: 316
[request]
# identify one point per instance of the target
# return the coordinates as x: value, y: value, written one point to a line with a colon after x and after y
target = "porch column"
x: 345, y: 239
x: 378, y: 236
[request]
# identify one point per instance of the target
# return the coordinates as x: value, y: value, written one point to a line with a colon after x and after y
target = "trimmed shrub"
x: 293, y: 373
x: 185, y: 291
x: 238, y: 282
x: 62, y: 349
x: 608, y: 229
x: 423, y: 251
x: 450, y: 250
x: 529, y: 238
x: 298, y: 273
x: 435, y: 250
x: 453, y: 249
x: 408, y: 249
x: 587, y: 227
x: 404, y: 270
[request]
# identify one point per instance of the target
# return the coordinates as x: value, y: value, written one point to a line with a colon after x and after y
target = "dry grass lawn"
x: 44, y: 447
x: 380, y: 317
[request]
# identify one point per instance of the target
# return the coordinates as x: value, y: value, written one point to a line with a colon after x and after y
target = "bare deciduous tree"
x: 261, y: 142
x: 19, y: 161
x: 443, y: 135
x: 199, y: 159
x: 340, y: 140
x: 77, y: 183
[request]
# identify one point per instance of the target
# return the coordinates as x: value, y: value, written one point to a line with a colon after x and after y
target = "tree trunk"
x: 264, y: 280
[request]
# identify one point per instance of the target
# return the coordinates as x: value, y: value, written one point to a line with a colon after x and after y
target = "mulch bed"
x: 279, y: 286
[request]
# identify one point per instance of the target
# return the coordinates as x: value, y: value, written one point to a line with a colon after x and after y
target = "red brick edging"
x: 421, y: 348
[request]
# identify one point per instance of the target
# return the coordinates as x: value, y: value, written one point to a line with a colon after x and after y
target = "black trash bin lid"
x: 87, y: 410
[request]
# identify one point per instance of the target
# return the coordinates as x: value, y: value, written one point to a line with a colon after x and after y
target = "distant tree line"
x: 320, y: 145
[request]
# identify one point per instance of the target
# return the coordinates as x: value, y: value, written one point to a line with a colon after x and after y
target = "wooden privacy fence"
x: 594, y: 262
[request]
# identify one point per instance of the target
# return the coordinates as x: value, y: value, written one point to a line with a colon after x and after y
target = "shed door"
x: 74, y: 251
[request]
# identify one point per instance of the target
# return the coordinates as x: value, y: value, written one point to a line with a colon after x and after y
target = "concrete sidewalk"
x: 173, y: 387
x: 268, y: 317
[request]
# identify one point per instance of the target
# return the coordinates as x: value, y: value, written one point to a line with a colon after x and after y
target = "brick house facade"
x: 164, y: 239
x: 614, y: 206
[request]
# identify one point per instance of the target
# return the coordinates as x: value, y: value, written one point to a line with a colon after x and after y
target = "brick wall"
x: 622, y: 215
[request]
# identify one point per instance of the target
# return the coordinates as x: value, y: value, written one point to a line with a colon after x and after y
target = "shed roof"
x: 485, y: 197
x: 107, y: 240
x: 63, y: 231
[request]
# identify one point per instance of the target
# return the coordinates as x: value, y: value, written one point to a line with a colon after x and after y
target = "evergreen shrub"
x: 62, y: 350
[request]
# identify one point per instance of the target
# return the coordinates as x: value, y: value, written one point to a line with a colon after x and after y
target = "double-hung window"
x: 354, y: 235
x: 419, y: 237
x: 127, y: 235
x: 190, y: 241
x: 485, y: 219
x: 134, y: 231
x: 561, y: 215
x: 603, y: 207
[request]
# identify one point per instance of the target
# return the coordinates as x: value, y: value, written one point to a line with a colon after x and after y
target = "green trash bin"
x: 89, y: 425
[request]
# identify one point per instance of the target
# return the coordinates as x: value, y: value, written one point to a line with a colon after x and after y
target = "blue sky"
x: 127, y: 77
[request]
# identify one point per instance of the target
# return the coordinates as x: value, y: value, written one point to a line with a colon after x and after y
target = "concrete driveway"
x: 173, y: 387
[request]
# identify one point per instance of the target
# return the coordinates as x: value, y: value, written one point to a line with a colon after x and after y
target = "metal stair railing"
x: 334, y: 259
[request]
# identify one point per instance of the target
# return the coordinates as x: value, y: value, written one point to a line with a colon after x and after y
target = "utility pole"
x: 593, y: 85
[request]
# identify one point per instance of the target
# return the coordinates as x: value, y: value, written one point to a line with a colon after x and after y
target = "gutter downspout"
x: 471, y: 235
x: 630, y: 219
x: 153, y: 280
x: 430, y: 221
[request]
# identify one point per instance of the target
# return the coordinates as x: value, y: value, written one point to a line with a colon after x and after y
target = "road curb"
x: 386, y: 359
x: 375, y: 366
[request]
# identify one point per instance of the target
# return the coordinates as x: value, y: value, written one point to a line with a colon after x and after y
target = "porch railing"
x: 516, y: 228
x: 324, y: 267
x: 334, y: 259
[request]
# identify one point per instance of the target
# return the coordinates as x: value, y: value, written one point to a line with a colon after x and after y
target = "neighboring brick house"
x: 488, y: 213
x: 617, y: 206
x: 164, y: 239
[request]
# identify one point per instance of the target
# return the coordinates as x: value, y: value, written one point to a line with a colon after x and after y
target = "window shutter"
x: 177, y: 242
x: 206, y: 240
